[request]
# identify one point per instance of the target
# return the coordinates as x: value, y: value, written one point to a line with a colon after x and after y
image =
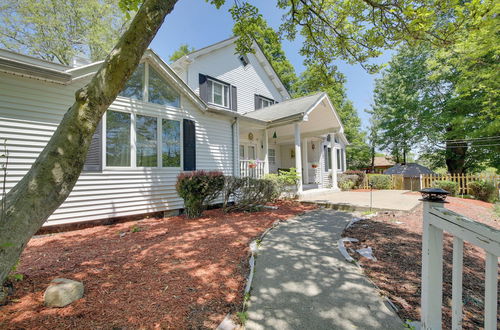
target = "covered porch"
x: 303, y: 133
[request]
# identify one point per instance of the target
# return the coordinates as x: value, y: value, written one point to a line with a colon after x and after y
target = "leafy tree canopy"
x: 60, y: 30
x: 183, y: 50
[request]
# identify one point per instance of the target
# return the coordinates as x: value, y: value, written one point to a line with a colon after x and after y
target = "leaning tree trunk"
x: 57, y: 168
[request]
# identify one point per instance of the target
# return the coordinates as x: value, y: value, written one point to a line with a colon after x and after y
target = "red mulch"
x: 397, y: 271
x: 173, y: 273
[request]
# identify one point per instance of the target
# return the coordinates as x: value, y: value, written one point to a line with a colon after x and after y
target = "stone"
x: 62, y: 292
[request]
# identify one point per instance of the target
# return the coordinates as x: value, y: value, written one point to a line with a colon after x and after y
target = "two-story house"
x: 212, y: 110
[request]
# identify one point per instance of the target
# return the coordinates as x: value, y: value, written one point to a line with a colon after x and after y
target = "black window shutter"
x: 93, y: 163
x: 203, y: 87
x: 189, y: 144
x: 257, y: 101
x: 234, y: 99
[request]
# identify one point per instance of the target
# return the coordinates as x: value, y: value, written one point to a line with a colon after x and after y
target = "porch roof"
x: 287, y: 109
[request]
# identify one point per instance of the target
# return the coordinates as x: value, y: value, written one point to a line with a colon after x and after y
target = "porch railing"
x: 436, y: 220
x: 251, y: 169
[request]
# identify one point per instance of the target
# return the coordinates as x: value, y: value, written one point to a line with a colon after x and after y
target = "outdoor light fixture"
x: 434, y: 194
x: 313, y: 146
x: 274, y: 135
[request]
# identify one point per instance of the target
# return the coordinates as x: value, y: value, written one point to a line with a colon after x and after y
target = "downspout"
x: 233, y: 136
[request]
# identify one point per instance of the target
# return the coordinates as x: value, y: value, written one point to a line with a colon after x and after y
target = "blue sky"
x: 199, y: 24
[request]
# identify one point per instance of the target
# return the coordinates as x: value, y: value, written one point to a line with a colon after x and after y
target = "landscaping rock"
x: 62, y: 292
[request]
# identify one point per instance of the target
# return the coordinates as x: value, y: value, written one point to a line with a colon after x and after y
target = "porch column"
x: 265, y: 145
x: 334, y: 162
x: 344, y: 160
x: 298, y: 158
x: 305, y: 165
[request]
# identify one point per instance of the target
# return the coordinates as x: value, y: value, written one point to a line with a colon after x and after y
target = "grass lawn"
x: 173, y: 273
x: 396, y: 240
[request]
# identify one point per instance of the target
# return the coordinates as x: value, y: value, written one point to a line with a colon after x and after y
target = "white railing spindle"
x: 456, y: 300
x: 490, y: 292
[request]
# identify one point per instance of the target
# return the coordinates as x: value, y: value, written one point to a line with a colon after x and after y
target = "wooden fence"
x: 427, y: 180
x: 397, y: 181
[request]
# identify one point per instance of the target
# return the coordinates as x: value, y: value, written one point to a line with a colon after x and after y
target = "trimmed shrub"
x: 380, y: 181
x: 361, y: 177
x: 249, y: 194
x: 199, y: 189
x: 347, y: 181
x: 450, y: 186
x: 346, y: 185
x: 290, y: 177
x: 483, y: 190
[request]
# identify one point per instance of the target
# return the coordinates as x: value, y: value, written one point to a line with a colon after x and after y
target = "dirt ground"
x: 172, y: 273
x: 396, y: 240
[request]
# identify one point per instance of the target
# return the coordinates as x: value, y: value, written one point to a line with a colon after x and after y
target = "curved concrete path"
x: 301, y: 280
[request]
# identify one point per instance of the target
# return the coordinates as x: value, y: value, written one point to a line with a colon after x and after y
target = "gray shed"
x: 410, y: 173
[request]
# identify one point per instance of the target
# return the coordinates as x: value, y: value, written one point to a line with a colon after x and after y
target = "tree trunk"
x: 373, y: 159
x: 57, y: 168
x: 455, y: 155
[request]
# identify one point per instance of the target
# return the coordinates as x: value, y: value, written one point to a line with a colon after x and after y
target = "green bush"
x: 380, y: 181
x: 249, y: 194
x: 346, y: 185
x: 483, y: 190
x: 361, y: 177
x: 290, y: 177
x: 452, y: 187
x: 347, y: 181
x: 198, y: 189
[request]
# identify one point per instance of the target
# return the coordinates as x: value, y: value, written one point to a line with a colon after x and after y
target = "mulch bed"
x: 396, y: 240
x: 173, y: 273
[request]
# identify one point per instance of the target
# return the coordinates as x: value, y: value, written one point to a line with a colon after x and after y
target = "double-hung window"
x: 146, y: 132
x: 218, y: 93
x: 262, y: 102
x: 271, y: 154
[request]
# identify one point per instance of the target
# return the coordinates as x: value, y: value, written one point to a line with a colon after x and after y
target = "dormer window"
x: 244, y: 60
x: 218, y: 93
x: 262, y: 102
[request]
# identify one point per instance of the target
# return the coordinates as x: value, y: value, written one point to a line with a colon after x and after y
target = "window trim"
x: 269, y: 156
x: 223, y: 85
x: 133, y: 146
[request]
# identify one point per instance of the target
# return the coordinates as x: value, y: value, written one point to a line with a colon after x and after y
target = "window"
x: 338, y: 159
x: 242, y: 152
x: 160, y: 92
x: 135, y: 85
x: 218, y: 93
x: 262, y: 102
x: 251, y: 152
x: 271, y: 154
x: 171, y: 143
x: 117, y: 138
x: 146, y: 141
x: 328, y: 159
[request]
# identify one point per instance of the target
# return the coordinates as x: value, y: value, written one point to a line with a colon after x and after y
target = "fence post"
x: 432, y: 268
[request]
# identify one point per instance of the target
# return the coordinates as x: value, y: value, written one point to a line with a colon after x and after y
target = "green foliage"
x: 198, y: 189
x: 249, y: 194
x: 360, y: 177
x: 450, y: 186
x: 380, y: 181
x: 290, y: 177
x: 267, y: 39
x: 60, y: 30
x: 183, y: 50
x: 135, y: 229
x: 243, y: 316
x: 346, y: 185
x: 483, y: 190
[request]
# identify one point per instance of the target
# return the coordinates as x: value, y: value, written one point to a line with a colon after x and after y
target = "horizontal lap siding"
x: 30, y: 111
x: 224, y: 64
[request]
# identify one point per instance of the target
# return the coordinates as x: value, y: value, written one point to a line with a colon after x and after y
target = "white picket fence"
x: 438, y: 219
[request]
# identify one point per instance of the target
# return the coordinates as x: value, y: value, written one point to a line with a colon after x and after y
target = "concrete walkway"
x: 360, y: 200
x: 301, y: 281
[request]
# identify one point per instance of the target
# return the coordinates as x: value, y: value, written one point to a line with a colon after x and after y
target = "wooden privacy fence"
x: 397, y: 181
x: 427, y: 180
x: 437, y: 220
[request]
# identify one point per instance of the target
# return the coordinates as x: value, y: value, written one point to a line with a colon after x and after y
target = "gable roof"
x: 290, y: 108
x: 409, y: 170
x: 383, y: 161
x: 31, y: 67
x: 259, y: 54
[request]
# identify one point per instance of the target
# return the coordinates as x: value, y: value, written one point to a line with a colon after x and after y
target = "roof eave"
x: 35, y: 71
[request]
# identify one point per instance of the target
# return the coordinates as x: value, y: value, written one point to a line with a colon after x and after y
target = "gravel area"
x: 172, y: 273
x: 396, y: 240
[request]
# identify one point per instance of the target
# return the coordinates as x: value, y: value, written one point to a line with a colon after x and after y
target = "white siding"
x: 30, y: 111
x: 224, y: 64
